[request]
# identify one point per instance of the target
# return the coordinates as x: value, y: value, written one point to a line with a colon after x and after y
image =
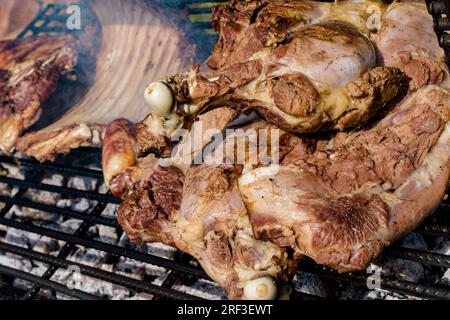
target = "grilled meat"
x: 125, y: 172
x: 29, y: 72
x: 342, y: 201
x: 407, y: 41
x: 48, y: 144
x: 290, y: 61
x: 338, y: 199
x: 200, y: 211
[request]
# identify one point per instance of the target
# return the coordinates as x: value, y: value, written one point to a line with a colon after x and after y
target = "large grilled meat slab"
x: 338, y: 198
x: 342, y: 201
x: 29, y: 72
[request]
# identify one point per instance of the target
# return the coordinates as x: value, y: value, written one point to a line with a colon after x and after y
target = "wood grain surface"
x: 15, y: 15
x: 140, y: 44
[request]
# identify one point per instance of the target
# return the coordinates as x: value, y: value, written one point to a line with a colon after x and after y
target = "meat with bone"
x: 202, y: 213
x: 355, y: 194
x: 287, y: 60
x: 341, y: 201
x: 338, y: 200
x: 125, y: 172
x: 48, y: 144
x: 29, y: 72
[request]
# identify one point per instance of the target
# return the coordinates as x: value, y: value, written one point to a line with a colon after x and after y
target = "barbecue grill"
x: 173, y: 275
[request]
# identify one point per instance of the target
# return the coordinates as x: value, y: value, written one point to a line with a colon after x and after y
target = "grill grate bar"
x: 65, y: 250
x: 49, y: 13
x: 46, y: 283
x: 173, y: 276
x: 45, y: 15
x: 60, y: 211
x: 53, y: 167
x: 435, y: 230
x: 19, y: 193
x: 73, y: 193
x: 105, y: 247
x: 97, y: 273
x: 440, y: 10
x: 393, y: 285
x: 429, y: 258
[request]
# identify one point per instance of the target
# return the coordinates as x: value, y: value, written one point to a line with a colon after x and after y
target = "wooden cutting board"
x: 140, y: 44
x: 140, y: 41
x: 15, y: 15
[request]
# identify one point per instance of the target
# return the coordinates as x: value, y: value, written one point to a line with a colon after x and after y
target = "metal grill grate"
x: 177, y: 269
x: 440, y: 10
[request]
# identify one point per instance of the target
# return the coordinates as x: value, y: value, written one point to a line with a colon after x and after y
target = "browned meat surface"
x: 342, y: 201
x: 29, y: 72
x: 338, y: 201
x: 47, y: 145
x: 150, y: 213
x: 125, y: 172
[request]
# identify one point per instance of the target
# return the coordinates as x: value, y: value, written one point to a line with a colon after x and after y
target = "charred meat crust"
x: 47, y: 145
x: 422, y: 71
x: 149, y: 213
x: 295, y: 95
x: 151, y: 141
x: 272, y: 66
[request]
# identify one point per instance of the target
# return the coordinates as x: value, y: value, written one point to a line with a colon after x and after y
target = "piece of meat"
x: 210, y: 223
x: 149, y: 214
x: 47, y: 145
x: 247, y: 28
x: 125, y: 172
x: 292, y: 63
x: 408, y: 41
x: 214, y: 228
x: 29, y: 72
x: 343, y: 201
x: 338, y: 201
